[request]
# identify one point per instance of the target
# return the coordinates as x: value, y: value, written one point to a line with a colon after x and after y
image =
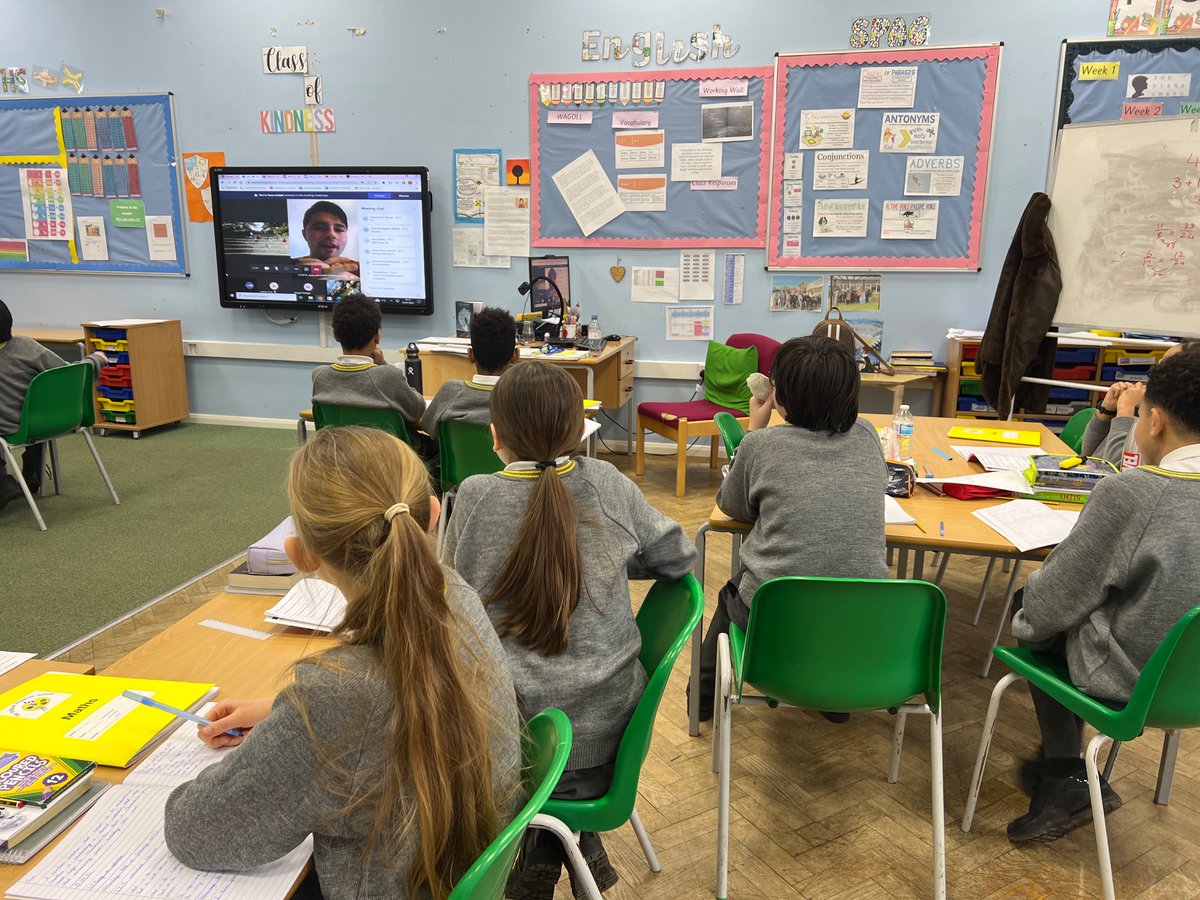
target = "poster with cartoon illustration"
x: 840, y: 218
x: 827, y: 129
x: 1134, y: 18
x: 836, y: 170
x: 909, y: 132
x: 911, y: 220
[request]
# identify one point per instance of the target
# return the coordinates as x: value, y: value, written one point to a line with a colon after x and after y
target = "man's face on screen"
x: 326, y: 235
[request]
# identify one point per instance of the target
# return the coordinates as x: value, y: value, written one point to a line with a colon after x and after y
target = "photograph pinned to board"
x: 645, y: 192
x: 887, y: 87
x: 727, y: 122
x: 933, y: 176
x: 909, y: 132
x: 588, y: 193
x: 839, y: 218
x: 654, y: 284
x: 516, y: 172
x: 851, y: 292
x: 506, y: 225
x: 829, y: 129
x: 472, y: 170
x: 640, y: 149
x: 797, y: 293
x: 734, y: 282
x: 468, y: 250
x: 839, y: 170
x: 695, y: 162
x: 697, y: 274
x: 93, y: 241
x: 910, y: 220
x: 689, y: 323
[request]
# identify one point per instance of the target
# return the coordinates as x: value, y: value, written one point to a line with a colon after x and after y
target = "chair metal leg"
x: 583, y: 875
x: 1008, y: 598
x: 939, y: 805
x: 697, y: 638
x: 55, y: 469
x: 15, y: 469
x: 983, y: 588
x: 99, y: 465
x: 1093, y: 773
x: 897, y: 746
x: 1166, y: 767
x: 644, y: 839
x: 725, y: 710
x: 941, y: 572
x: 1111, y: 762
x: 985, y: 744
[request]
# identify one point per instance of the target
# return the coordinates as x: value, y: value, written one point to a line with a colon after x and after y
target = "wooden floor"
x: 812, y: 812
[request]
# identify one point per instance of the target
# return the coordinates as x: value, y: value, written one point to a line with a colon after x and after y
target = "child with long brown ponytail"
x: 398, y: 749
x: 550, y: 544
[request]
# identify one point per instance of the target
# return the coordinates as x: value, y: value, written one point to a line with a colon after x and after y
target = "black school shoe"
x: 1060, y: 803
x: 596, y: 858
x: 9, y: 490
x: 538, y: 867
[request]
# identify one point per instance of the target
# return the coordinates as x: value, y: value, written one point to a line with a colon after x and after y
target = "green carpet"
x: 191, y: 497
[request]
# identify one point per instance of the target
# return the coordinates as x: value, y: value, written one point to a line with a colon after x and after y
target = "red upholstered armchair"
x: 694, y: 418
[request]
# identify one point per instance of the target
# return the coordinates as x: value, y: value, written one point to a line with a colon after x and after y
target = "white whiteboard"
x: 1125, y: 217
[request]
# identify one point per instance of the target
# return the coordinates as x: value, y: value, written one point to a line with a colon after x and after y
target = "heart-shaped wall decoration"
x: 617, y: 273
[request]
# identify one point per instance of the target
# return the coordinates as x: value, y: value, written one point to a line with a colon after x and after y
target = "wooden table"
x: 188, y: 651
x: 32, y: 668
x: 897, y: 383
x: 607, y: 377
x: 70, y: 336
x: 964, y: 533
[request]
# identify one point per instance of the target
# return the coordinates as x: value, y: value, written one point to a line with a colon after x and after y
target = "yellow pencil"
x: 919, y: 525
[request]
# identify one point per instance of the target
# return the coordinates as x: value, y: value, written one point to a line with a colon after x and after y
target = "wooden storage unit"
x: 1075, y: 361
x: 149, y: 388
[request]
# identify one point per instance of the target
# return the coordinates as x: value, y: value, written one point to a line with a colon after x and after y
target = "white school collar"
x: 348, y: 360
x: 485, y: 379
x: 1182, y: 459
x: 528, y: 465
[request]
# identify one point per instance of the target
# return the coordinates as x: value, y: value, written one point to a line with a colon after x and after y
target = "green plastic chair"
x: 731, y: 432
x: 666, y: 618
x: 842, y: 645
x: 1072, y: 433
x: 1164, y: 696
x: 465, y: 450
x: 326, y: 415
x: 58, y: 402
x: 546, y: 744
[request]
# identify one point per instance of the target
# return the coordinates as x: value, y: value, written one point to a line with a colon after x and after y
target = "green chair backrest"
x: 1072, y: 433
x: 57, y: 402
x: 1165, y: 693
x: 546, y: 744
x: 327, y: 415
x: 845, y: 644
x: 666, y: 619
x: 731, y: 431
x: 465, y: 450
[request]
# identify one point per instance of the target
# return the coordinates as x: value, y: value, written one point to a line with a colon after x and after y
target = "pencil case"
x: 1044, y: 472
x: 901, y: 478
x: 267, y: 556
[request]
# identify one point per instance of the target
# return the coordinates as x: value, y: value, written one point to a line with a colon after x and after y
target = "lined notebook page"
x: 179, y: 758
x: 310, y: 603
x: 118, y: 850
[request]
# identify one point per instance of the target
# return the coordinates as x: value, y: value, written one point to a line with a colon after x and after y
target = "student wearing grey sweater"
x: 493, y: 349
x: 1108, y: 594
x: 813, y: 487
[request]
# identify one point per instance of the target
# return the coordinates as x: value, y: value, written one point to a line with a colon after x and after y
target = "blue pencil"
x: 181, y: 713
x: 944, y: 455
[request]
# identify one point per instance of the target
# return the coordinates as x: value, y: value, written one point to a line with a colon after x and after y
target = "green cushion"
x: 725, y: 372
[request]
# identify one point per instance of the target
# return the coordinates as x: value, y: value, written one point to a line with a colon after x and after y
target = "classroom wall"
x: 425, y: 78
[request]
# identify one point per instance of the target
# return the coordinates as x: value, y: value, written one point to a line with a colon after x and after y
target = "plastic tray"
x: 970, y: 386
x: 116, y: 405
x: 970, y: 351
x: 1075, y: 373
x: 115, y: 393
x: 974, y: 404
x: 121, y: 346
x: 1131, y: 357
x: 109, y: 378
x: 1075, y: 356
x: 109, y: 334
x: 1060, y: 395
x: 1121, y: 373
x: 969, y: 370
x: 124, y: 418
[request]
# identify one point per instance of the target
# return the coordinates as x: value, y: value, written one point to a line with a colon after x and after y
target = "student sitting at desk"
x: 398, y: 749
x: 361, y: 378
x: 22, y: 358
x: 493, y: 349
x: 1109, y: 593
x: 813, y: 488
x: 550, y: 543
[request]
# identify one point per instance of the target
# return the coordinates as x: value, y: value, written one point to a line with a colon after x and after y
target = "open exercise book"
x: 118, y: 849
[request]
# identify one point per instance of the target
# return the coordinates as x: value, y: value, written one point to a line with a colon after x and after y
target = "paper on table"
x: 697, y: 276
x: 10, y: 659
x: 1006, y: 480
x: 894, y: 514
x: 1027, y: 524
x: 118, y: 850
x: 996, y: 459
x: 312, y: 603
x: 506, y: 223
x: 588, y: 193
x: 695, y: 162
x: 179, y: 758
x: 122, y: 323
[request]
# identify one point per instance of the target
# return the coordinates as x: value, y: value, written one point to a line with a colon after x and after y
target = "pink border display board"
x: 918, y: 214
x: 728, y: 213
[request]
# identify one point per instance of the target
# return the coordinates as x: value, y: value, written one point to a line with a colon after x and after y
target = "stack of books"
x: 243, y: 581
x: 1050, y: 481
x: 912, y: 361
x: 40, y: 796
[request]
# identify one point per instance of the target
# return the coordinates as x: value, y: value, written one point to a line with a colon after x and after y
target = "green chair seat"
x: 464, y: 450
x: 731, y: 432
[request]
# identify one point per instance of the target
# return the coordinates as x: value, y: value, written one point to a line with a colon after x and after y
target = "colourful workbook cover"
x: 85, y: 716
x: 35, y: 779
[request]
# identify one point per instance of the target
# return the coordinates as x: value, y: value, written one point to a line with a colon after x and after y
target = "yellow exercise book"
x: 996, y: 435
x: 85, y: 716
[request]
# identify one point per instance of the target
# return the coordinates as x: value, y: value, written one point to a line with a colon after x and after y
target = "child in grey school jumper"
x: 493, y: 349
x: 550, y: 543
x: 813, y: 488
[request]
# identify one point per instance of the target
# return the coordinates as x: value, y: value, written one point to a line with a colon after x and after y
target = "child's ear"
x: 496, y: 445
x: 471, y: 355
x: 299, y: 554
x: 435, y: 512
x: 379, y: 335
x: 516, y: 357
x: 1158, y: 422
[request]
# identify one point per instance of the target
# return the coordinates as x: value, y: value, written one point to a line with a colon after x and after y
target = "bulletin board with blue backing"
x: 1107, y: 80
x: 98, y: 156
x: 697, y: 214
x: 955, y: 84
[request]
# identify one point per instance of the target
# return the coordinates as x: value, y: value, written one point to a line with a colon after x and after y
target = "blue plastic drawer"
x: 1063, y: 394
x: 1125, y: 373
x: 974, y: 405
x: 113, y: 393
x: 1075, y: 356
x: 109, y: 334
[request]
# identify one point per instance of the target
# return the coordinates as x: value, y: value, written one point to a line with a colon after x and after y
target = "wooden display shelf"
x: 156, y: 369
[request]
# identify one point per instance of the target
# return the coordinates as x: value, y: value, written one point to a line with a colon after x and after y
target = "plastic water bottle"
x: 902, y: 424
x: 595, y: 338
x: 1131, y: 455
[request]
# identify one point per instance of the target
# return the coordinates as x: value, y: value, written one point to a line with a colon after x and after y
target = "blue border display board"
x: 1096, y: 81
x: 131, y: 150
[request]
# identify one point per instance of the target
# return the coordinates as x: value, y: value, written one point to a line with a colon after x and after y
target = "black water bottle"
x: 412, y: 367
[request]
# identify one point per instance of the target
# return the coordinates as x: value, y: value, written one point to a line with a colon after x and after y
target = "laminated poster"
x: 887, y: 87
x: 826, y: 129
x: 839, y: 170
x: 933, y: 176
x: 839, y: 218
x: 914, y: 220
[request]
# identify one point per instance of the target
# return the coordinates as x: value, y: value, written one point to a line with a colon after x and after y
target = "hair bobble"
x: 544, y: 464
x: 394, y: 509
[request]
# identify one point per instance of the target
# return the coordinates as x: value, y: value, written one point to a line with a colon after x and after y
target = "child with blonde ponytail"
x: 550, y: 543
x: 398, y: 749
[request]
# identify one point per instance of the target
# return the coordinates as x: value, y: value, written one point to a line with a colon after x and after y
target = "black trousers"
x: 1062, y: 730
x: 32, y: 462
x: 730, y: 610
